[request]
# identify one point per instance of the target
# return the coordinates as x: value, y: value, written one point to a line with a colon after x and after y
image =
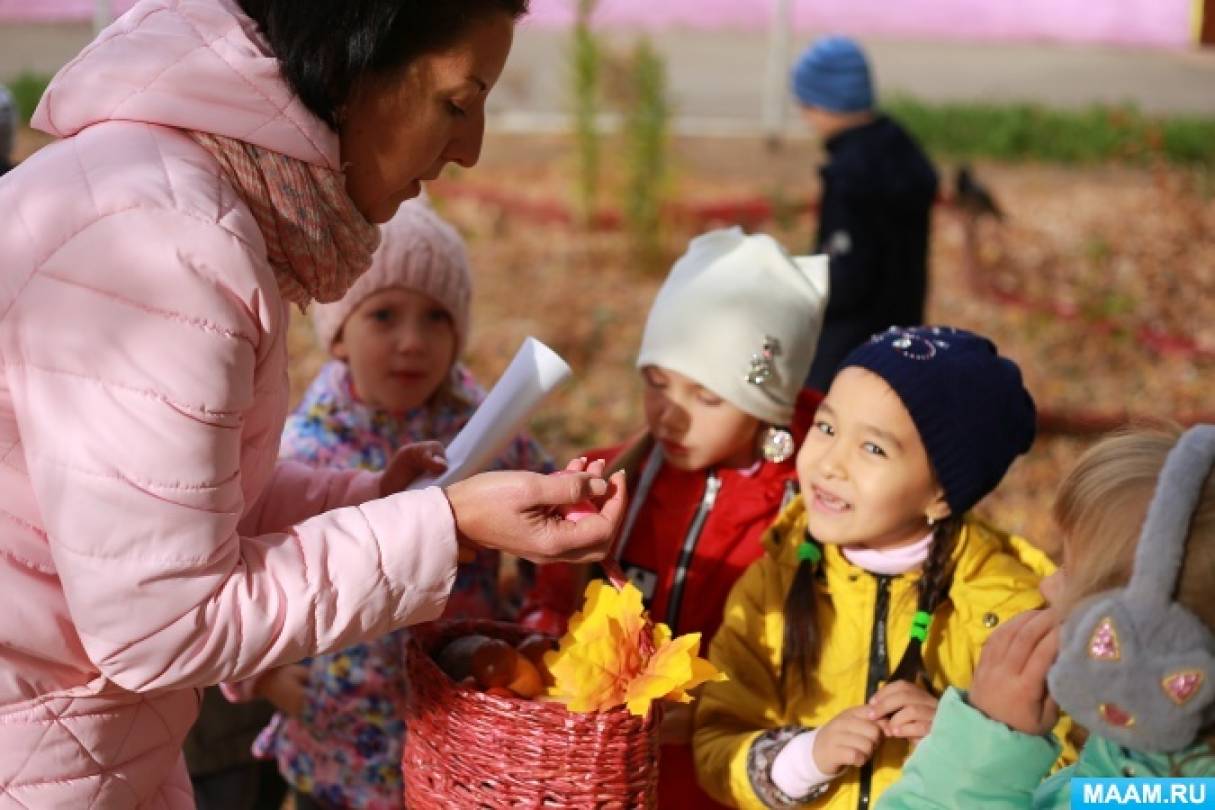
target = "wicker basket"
x: 468, y: 749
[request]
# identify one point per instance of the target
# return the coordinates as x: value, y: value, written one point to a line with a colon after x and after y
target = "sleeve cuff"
x: 767, y: 748
x: 997, y: 757
x: 416, y: 532
x: 794, y: 770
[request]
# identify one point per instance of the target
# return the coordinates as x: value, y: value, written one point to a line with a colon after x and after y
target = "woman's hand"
x: 410, y: 462
x: 903, y: 709
x: 524, y: 513
x: 285, y: 687
x: 848, y: 740
x: 1010, y: 681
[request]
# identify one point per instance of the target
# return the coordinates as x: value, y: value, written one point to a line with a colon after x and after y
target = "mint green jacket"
x: 971, y: 761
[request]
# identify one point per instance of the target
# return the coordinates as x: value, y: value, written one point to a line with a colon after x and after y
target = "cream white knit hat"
x: 419, y: 251
x: 741, y: 317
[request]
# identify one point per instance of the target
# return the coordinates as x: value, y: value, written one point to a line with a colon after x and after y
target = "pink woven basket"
x: 468, y: 749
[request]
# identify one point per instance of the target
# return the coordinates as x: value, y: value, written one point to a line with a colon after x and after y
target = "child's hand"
x: 1010, y: 681
x: 410, y: 462
x: 285, y: 687
x: 847, y: 740
x: 903, y: 709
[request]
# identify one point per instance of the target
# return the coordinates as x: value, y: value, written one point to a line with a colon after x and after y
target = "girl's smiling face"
x: 696, y: 428
x: 864, y: 472
x: 400, y: 345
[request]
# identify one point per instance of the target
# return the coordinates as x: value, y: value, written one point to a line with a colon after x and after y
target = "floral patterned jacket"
x: 345, y: 747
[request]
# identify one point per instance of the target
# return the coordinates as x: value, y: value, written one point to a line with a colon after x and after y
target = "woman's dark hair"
x: 802, y: 643
x: 325, y: 47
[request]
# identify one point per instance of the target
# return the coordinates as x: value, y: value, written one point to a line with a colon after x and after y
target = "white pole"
x: 776, y: 90
x: 103, y: 15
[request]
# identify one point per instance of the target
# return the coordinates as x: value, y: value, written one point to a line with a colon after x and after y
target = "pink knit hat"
x: 419, y: 251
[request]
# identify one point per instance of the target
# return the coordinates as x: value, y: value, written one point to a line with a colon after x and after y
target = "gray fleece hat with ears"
x: 1135, y: 666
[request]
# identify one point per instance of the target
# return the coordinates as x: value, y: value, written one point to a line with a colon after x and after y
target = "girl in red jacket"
x: 727, y: 344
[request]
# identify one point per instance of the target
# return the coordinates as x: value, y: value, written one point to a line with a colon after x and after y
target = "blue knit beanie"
x: 968, y: 403
x: 833, y: 74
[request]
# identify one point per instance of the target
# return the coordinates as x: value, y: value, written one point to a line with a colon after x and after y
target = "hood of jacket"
x: 189, y: 64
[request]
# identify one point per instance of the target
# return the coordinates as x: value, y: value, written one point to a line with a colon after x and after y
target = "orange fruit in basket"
x: 533, y: 649
x: 494, y: 663
x: 527, y: 682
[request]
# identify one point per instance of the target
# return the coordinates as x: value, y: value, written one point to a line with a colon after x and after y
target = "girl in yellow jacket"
x: 877, y: 590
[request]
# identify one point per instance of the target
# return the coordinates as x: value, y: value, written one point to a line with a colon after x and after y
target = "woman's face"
x: 400, y: 129
x: 696, y: 428
x: 864, y: 472
x: 399, y: 345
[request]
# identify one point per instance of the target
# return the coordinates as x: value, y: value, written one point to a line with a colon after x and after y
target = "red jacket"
x: 694, y: 534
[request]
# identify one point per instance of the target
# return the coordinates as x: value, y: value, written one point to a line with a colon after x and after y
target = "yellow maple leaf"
x: 603, y: 607
x: 611, y: 656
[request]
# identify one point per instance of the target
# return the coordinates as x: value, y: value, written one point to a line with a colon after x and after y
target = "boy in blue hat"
x: 878, y: 191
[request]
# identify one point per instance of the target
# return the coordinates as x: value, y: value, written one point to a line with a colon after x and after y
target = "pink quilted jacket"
x: 149, y: 545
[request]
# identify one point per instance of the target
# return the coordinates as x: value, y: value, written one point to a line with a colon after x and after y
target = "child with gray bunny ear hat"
x: 1127, y: 646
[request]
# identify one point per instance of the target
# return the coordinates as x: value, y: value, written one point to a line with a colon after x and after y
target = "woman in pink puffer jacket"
x: 149, y: 544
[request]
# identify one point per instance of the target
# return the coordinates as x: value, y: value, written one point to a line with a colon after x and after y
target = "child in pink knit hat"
x: 394, y: 379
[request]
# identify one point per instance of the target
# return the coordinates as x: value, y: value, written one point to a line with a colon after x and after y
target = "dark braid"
x: 803, y: 642
x: 934, y: 585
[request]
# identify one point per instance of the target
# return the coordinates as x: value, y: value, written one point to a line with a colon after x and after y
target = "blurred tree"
x: 585, y: 62
x: 647, y: 134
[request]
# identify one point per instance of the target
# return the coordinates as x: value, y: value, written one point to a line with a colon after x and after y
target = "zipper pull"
x: 712, y: 487
x: 792, y: 490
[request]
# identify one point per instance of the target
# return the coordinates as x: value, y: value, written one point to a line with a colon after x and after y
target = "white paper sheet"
x: 532, y: 374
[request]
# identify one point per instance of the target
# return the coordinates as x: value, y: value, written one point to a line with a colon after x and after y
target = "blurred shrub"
x: 1189, y: 140
x: 27, y: 89
x: 585, y: 63
x: 1030, y: 132
x: 647, y: 135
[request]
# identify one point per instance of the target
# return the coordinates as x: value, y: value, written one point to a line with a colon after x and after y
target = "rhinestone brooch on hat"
x: 761, y: 362
x: 919, y: 344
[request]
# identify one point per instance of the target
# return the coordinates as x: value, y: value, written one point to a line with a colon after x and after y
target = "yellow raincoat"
x: 995, y: 577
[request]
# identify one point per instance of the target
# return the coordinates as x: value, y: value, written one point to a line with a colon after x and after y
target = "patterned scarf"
x: 316, y: 240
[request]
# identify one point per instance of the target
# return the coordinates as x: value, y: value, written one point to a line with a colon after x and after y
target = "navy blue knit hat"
x: 968, y: 403
x: 833, y: 74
